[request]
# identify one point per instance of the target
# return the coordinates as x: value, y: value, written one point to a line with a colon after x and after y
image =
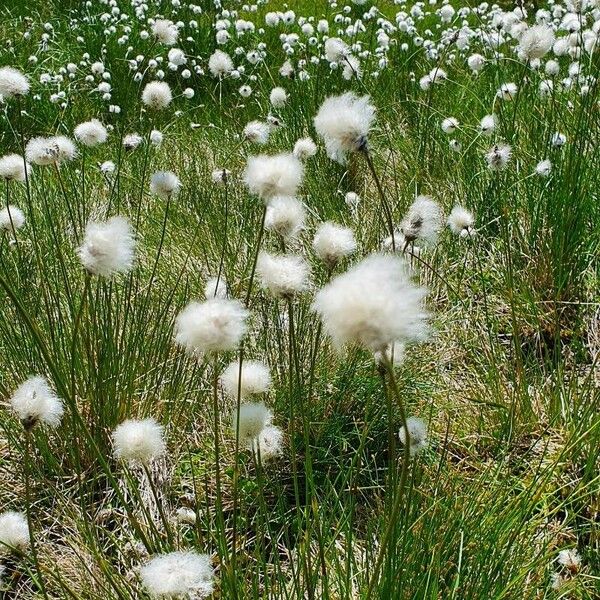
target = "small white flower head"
x: 108, y: 167
x: 220, y: 176
x: 569, y: 559
x: 177, y: 57
x: 270, y: 176
x: 157, y: 95
x: 535, y: 42
x: 245, y: 91
x: 165, y: 31
x: 476, y: 62
x: 156, y: 137
x: 12, y: 168
x: 351, y: 68
x: 552, y: 68
x: 11, y: 218
x: 417, y: 435
x: 304, y: 148
x: 437, y: 75
x: 333, y: 242
x: 216, y: 287
x: 278, y: 97
x: 461, y: 221
x: 12, y: 83
x: 558, y: 139
x: 165, y: 184
x: 139, y: 441
x: 352, y: 200
x: 257, y: 132
x: 544, y: 168
x: 216, y: 325
x: 449, y: 125
x: 50, y: 151
x: 131, y: 141
x: 14, y: 532
x: 336, y: 50
x: 269, y: 443
x: 255, y: 379
x: 507, y: 91
x: 253, y: 418
x: 34, y: 402
x: 220, y: 64
x: 344, y: 123
x: 91, y: 133
x: 283, y: 275
x: 373, y: 304
x: 108, y: 247
x: 498, y: 157
x: 488, y: 124
x: 285, y: 216
x: 423, y: 220
x: 178, y: 575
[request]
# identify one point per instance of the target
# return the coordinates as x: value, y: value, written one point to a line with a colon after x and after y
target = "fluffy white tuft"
x: 285, y: 216
x: 498, y: 157
x: 417, y: 435
x: 461, y: 221
x: 165, y: 184
x: 270, y: 176
x: 255, y: 379
x: 14, y: 531
x: 91, y: 133
x: 535, y: 42
x: 278, y: 97
x: 216, y: 287
x: 215, y: 325
x: 220, y: 64
x: 13, y: 83
x: 12, y: 168
x: 283, y: 275
x: 344, y: 123
x: 333, y: 242
x: 423, y: 220
x: 253, y: 418
x: 35, y: 402
x: 11, y: 218
x: 108, y: 247
x: 139, y: 441
x: 257, y: 132
x: 157, y: 95
x: 49, y: 151
x: 269, y: 443
x: 304, y: 148
x: 166, y: 32
x: 373, y: 304
x: 179, y: 574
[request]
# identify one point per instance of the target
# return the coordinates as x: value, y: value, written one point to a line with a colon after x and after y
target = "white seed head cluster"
x: 157, y: 95
x: 216, y: 287
x: 461, y: 221
x: 34, y: 402
x: 423, y: 220
x: 535, y: 42
x: 282, y: 275
x: 373, y: 304
x: 91, y: 133
x: 285, y: 216
x: 14, y: 532
x: 12, y: 83
x: 108, y: 247
x: 220, y: 64
x: 304, y: 148
x: 257, y: 132
x: 165, y: 184
x: 255, y: 379
x: 278, y: 97
x: 12, y: 168
x: 11, y: 218
x: 178, y: 574
x: 253, y: 418
x: 165, y: 31
x: 50, y: 151
x: 417, y: 435
x: 216, y: 325
x: 498, y: 157
x: 139, y: 441
x: 277, y: 175
x: 344, y: 123
x: 333, y: 242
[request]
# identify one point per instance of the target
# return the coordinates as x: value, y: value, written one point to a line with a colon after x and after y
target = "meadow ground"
x: 210, y: 360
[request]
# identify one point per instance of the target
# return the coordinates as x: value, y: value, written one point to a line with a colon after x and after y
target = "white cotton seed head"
x: 488, y: 124
x: 269, y: 443
x: 178, y: 574
x: 352, y: 200
x: 278, y: 97
x: 131, y: 141
x: 476, y: 62
x: 498, y: 157
x: 12, y: 168
x: 285, y: 216
x: 11, y: 218
x: 569, y: 559
x: 535, y: 42
x: 253, y: 418
x: 544, y: 168
x: 461, y: 221
x: 255, y: 379
x: 165, y: 184
x: 336, y: 49
x: 108, y: 247
x: 373, y: 304
x: 449, y: 125
x: 282, y: 275
x: 304, y: 148
x: 344, y: 123
x: 139, y: 441
x: 157, y: 95
x: 13, y: 83
x: 257, y: 132
x: 270, y: 176
x: 156, y: 137
x: 34, y: 402
x: 417, y: 435
x: 423, y: 220
x: 333, y: 242
x: 220, y: 176
x: 216, y: 287
x: 14, y: 531
x: 165, y: 31
x: 50, y: 151
x: 91, y: 133
x: 220, y: 64
x: 216, y: 325
x: 507, y: 92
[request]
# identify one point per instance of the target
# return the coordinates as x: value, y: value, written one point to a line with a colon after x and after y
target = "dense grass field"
x: 215, y: 337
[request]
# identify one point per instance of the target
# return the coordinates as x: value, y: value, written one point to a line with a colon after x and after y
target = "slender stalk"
x: 159, y: 504
x: 76, y: 325
x: 28, y: 502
